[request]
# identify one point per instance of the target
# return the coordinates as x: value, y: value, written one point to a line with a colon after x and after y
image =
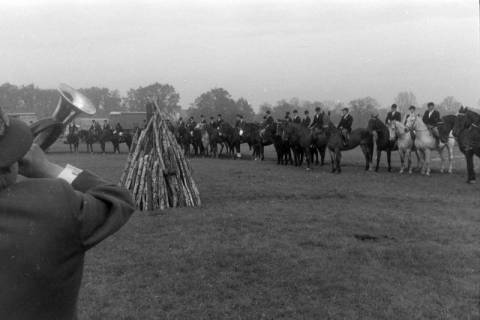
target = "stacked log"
x: 156, y: 172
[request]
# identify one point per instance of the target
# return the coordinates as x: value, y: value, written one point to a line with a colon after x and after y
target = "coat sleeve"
x: 101, y: 208
x: 425, y: 118
x: 436, y: 117
x: 349, y: 122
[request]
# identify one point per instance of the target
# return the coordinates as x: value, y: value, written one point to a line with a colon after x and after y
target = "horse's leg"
x: 428, y: 155
x: 339, y: 159
x: 366, y: 155
x: 470, y: 167
x: 442, y: 159
x: 322, y: 156
x: 333, y: 159
x: 451, y: 159
x: 389, y: 160
x: 402, y: 159
x: 419, y: 160
x: 379, y: 155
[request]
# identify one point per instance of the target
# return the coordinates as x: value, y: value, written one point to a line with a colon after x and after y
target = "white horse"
x: 425, y: 142
x: 405, y: 145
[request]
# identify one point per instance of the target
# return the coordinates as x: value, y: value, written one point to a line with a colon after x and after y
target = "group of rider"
x: 95, y: 128
x: 431, y: 118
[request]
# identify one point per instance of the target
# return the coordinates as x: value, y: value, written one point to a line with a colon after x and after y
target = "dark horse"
x: 108, y: 135
x: 358, y: 137
x: 89, y: 137
x: 249, y: 133
x: 230, y: 138
x: 299, y: 138
x: 381, y: 136
x: 72, y: 140
x: 467, y: 132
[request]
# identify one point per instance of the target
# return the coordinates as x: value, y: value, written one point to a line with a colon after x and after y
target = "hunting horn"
x: 71, y: 103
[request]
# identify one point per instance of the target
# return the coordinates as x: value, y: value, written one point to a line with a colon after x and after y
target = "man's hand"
x: 36, y: 165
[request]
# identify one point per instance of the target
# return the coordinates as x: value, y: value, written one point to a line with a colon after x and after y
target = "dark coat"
x: 391, y: 117
x: 317, y: 120
x: 433, y: 119
x: 46, y: 227
x: 306, y: 121
x: 297, y: 119
x: 346, y: 122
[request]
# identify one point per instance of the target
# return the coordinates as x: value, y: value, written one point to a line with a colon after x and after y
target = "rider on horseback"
x: 345, y: 125
x: 219, y: 121
x: 393, y: 115
x: 212, y: 122
x: 410, y: 117
x: 296, y: 117
x: 106, y: 125
x: 268, y: 119
x: 287, y: 116
x: 118, y: 129
x: 306, y: 121
x: 95, y: 128
x: 72, y: 128
x: 317, y: 119
x: 431, y: 118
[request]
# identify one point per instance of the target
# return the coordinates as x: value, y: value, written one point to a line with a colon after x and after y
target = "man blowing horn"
x: 49, y: 218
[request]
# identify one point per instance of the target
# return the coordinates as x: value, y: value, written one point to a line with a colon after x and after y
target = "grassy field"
x: 275, y: 242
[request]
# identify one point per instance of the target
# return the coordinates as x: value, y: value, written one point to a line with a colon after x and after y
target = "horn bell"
x: 71, y: 103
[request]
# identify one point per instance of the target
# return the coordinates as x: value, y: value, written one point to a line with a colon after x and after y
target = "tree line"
x: 29, y: 98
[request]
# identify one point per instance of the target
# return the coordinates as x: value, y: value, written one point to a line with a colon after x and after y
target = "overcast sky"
x: 261, y: 50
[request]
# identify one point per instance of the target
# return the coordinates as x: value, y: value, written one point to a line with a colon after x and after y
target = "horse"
x: 425, y: 142
x: 118, y: 138
x: 72, y: 140
x: 467, y: 132
x: 89, y: 137
x: 358, y: 137
x: 381, y: 136
x: 319, y: 144
x: 215, y: 140
x: 299, y: 138
x: 184, y: 138
x: 202, y: 138
x: 400, y: 135
x: 249, y: 133
x: 230, y: 139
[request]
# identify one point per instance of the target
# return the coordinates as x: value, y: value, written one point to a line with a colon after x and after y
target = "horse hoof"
x: 308, y: 169
x: 471, y: 181
x: 442, y: 171
x: 401, y: 171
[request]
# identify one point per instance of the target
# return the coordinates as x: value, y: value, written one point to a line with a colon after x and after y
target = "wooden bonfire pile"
x: 156, y: 172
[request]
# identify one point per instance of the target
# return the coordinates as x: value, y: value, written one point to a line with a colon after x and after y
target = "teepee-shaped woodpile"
x: 157, y: 173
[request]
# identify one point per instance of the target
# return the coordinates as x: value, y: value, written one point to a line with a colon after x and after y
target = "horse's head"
x: 282, y: 127
x: 393, y: 129
x: 374, y: 124
x: 412, y: 122
x: 462, y: 122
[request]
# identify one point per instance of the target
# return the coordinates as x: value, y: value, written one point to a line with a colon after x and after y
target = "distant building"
x: 128, y: 120
x: 84, y: 123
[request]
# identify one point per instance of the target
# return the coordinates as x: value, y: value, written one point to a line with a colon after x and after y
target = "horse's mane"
x: 472, y: 114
